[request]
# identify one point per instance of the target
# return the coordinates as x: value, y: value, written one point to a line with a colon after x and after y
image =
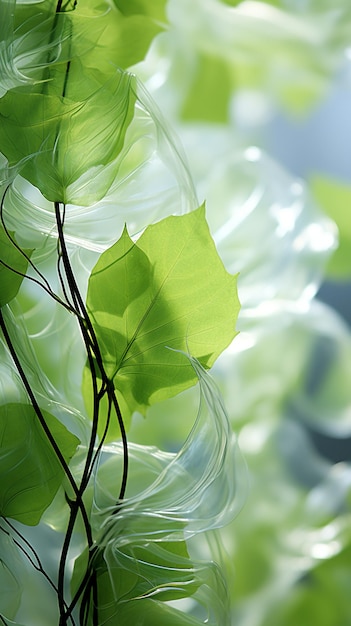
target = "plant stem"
x: 89, y: 585
x: 34, y: 560
x: 78, y: 504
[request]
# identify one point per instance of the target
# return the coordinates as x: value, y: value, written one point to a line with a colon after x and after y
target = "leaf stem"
x: 89, y: 583
x: 45, y: 284
x: 34, y: 560
x: 78, y: 504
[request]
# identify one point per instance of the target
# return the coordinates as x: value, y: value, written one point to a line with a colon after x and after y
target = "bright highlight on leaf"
x: 147, y: 300
x: 30, y: 471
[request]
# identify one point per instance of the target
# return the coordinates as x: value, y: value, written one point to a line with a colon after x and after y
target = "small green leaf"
x: 168, y: 292
x: 30, y: 471
x: 13, y: 265
x: 210, y: 91
x: 335, y: 198
x: 63, y: 139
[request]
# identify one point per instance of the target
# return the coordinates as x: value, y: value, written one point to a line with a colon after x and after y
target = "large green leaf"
x: 10, y: 257
x: 30, y: 471
x: 168, y: 292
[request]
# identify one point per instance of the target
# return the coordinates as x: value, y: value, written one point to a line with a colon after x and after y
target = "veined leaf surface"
x: 63, y: 138
x: 150, y: 299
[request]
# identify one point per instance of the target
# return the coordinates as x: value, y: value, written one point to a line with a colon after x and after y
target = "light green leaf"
x: 30, y: 471
x: 64, y: 139
x: 155, y: 9
x: 150, y: 299
x: 125, y: 31
x: 10, y: 257
x: 335, y: 198
x: 210, y: 91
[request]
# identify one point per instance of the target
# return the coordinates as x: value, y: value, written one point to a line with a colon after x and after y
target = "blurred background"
x: 259, y: 94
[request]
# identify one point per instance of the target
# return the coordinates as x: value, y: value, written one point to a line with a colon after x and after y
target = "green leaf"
x: 126, y: 30
x: 210, y: 91
x: 131, y: 39
x: 335, y: 198
x: 65, y: 139
x: 168, y: 292
x: 155, y: 9
x: 10, y: 257
x: 30, y: 471
x: 148, y: 613
x: 163, y: 570
x: 65, y: 119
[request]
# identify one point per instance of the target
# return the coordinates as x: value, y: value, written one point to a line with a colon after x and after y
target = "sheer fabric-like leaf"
x: 142, y: 559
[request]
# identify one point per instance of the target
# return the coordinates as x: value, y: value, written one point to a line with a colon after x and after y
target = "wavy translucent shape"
x: 225, y: 31
x: 331, y: 497
x: 266, y: 227
x: 38, y: 599
x: 287, y: 528
x: 171, y: 497
x: 284, y: 54
x: 163, y: 574
x: 293, y: 359
x: 31, y: 46
x: 49, y: 398
x: 153, y: 182
x: 150, y: 180
x: 199, y: 488
x: 322, y: 529
x: 323, y: 399
x: 11, y: 566
x: 35, y: 38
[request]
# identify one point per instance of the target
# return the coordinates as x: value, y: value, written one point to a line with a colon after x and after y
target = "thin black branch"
x: 34, y: 560
x: 45, y: 284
